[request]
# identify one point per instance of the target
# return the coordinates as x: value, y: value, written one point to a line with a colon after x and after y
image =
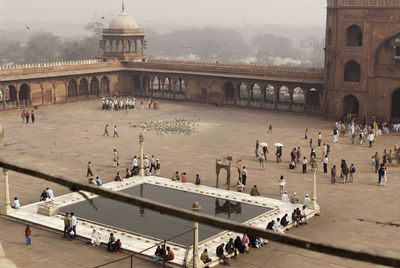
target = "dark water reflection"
x: 151, y: 223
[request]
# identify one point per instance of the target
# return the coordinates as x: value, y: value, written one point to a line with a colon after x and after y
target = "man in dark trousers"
x: 33, y: 117
x: 89, y: 170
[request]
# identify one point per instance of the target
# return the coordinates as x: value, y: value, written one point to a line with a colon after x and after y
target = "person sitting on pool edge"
x: 169, y: 255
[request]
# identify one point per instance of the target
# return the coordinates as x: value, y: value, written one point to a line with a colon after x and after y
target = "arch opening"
x: 156, y: 84
x: 284, y: 95
x: 298, y: 95
x: 229, y: 90
x: 312, y: 97
x: 269, y: 93
x: 72, y: 88
x: 167, y: 84
x: 83, y: 87
x: 352, y: 71
x: 24, y: 93
x: 94, y: 86
x: 396, y: 104
x: 354, y: 36
x: 350, y: 105
x: 256, y: 93
x: 12, y: 93
x: 243, y: 93
x: 105, y: 85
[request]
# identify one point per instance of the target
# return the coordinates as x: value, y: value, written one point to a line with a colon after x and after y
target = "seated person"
x: 98, y: 181
x: 128, y: 173
x: 175, y: 177
x: 277, y: 226
x: 257, y: 242
x: 43, y: 196
x: 303, y: 215
x: 292, y: 164
x: 284, y: 221
x: 118, y: 177
x: 160, y: 252
x: 169, y: 256
x: 96, y: 238
x: 295, y: 218
x: 239, y: 186
x: 220, y: 254
x: 184, y: 177
x: 15, y: 203
x: 116, y: 246
x: 238, y: 245
x: 230, y: 248
x: 270, y: 225
x: 204, y: 257
x: 198, y: 181
x: 111, y: 241
x: 90, y: 181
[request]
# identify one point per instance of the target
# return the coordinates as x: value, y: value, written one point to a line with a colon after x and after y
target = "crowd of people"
x: 124, y: 103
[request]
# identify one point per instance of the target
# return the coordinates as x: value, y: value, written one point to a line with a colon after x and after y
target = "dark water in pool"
x: 151, y: 223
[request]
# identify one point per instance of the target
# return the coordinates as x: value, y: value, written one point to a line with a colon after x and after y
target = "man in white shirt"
x: 326, y: 164
x: 135, y: 165
x: 50, y: 193
x: 15, y: 203
x: 307, y: 200
x: 285, y: 197
x: 152, y: 163
x: 73, y: 225
x: 244, y: 176
x: 96, y: 238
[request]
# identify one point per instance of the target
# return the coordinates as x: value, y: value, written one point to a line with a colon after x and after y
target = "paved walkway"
x: 65, y: 137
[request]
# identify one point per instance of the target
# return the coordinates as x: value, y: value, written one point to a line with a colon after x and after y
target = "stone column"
x: 7, y: 208
x: 314, y: 205
x: 141, y: 140
x: 196, y: 260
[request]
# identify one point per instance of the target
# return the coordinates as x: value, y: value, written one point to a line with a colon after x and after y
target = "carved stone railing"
x: 234, y: 65
x: 363, y: 3
x: 49, y: 64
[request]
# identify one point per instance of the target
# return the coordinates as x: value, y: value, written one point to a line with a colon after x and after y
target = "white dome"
x: 123, y: 22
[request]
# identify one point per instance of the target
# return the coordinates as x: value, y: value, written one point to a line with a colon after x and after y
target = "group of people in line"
x: 233, y: 247
x: 25, y: 115
x: 127, y: 103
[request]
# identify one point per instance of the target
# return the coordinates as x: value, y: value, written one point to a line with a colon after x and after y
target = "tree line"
x: 204, y: 44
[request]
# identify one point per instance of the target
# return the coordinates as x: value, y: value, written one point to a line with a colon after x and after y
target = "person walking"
x: 115, y: 132
x: 265, y: 151
x: 115, y: 158
x: 33, y: 117
x: 106, y: 131
x: 352, y: 171
x: 89, y: 170
x: 305, y: 164
x: 326, y: 164
x: 371, y: 139
x: 262, y: 161
x: 282, y: 183
x: 67, y: 224
x: 333, y: 174
x: 269, y: 129
x: 27, y: 116
x: 319, y: 139
x: 152, y: 164
x: 335, y: 135
x: 257, y: 146
x: 244, y: 175
x: 306, y: 134
x: 73, y: 225
x: 28, y: 233
x: 23, y: 116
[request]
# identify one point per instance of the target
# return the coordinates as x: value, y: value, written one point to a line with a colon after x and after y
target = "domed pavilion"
x: 123, y: 39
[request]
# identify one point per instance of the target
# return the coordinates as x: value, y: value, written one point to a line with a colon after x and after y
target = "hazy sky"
x: 14, y: 13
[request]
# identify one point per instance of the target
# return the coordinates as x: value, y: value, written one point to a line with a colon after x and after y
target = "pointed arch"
x: 24, y: 92
x: 243, y: 92
x: 354, y: 36
x: 352, y: 71
x: 120, y: 47
x: 167, y: 84
x: 269, y: 93
x: 298, y: 95
x: 104, y: 85
x: 94, y: 87
x: 229, y: 90
x: 256, y: 93
x: 156, y: 84
x: 133, y: 46
x: 114, y: 46
x: 350, y: 105
x: 72, y: 88
x: 284, y: 95
x: 83, y: 87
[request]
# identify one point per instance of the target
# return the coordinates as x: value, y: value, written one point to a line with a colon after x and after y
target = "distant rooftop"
x: 363, y: 3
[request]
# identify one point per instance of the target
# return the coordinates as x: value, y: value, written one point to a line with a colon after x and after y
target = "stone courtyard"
x: 65, y: 137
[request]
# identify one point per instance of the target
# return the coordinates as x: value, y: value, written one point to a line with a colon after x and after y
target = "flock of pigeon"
x: 172, y: 127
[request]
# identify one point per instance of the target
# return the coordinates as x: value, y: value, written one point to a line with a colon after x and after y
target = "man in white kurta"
x: 96, y: 238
